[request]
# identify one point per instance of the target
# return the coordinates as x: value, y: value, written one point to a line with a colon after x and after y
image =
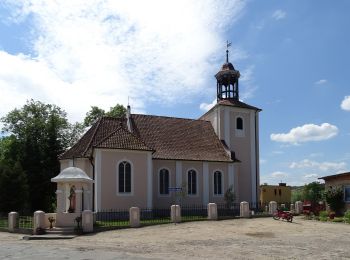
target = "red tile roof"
x: 169, y: 138
x: 236, y: 103
x: 334, y: 176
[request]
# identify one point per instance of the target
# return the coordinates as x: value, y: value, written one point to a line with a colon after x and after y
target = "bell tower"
x: 237, y: 126
x: 227, y: 80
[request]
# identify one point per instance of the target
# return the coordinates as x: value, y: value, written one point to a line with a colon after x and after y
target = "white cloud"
x: 279, y: 14
x: 263, y: 161
x: 101, y: 52
x: 306, y: 133
x: 345, y: 104
x: 279, y: 174
x: 247, y: 80
x: 321, y: 81
x: 322, y: 166
x: 310, y: 176
x: 205, y: 106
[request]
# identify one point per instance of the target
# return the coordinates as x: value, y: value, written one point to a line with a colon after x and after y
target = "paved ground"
x: 260, y: 238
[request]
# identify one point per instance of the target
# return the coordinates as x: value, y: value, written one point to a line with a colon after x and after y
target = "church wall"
x: 198, y: 167
x: 82, y: 163
x: 64, y: 164
x: 241, y: 143
x: 222, y: 167
x: 109, y: 196
x: 163, y: 201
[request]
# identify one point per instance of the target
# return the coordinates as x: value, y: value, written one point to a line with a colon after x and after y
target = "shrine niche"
x: 73, y: 194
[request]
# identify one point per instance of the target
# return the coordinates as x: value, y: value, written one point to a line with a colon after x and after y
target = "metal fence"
x: 3, y: 223
x: 25, y: 222
x: 154, y: 216
x: 194, y: 212
x: 228, y: 211
x: 112, y: 219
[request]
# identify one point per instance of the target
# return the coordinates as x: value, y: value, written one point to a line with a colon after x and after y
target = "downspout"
x: 93, y: 184
x: 256, y: 158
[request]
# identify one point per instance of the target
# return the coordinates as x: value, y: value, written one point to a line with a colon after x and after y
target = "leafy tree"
x: 96, y: 112
x: 313, y: 192
x: 13, y: 188
x: 297, y: 194
x: 117, y: 111
x: 334, y: 198
x: 38, y: 136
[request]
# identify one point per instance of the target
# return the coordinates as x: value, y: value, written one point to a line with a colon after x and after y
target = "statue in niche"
x: 72, y: 201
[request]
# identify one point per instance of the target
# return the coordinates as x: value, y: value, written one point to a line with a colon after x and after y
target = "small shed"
x: 341, y: 180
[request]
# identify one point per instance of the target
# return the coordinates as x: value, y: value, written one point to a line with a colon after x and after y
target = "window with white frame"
x: 164, y: 182
x: 124, y: 177
x: 217, y: 183
x: 347, y: 193
x: 191, y: 182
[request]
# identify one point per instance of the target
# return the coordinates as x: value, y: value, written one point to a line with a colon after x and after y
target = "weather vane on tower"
x: 228, y: 44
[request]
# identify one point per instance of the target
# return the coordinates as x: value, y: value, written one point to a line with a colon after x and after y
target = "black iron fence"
x: 3, y: 222
x: 25, y: 222
x: 154, y: 216
x: 112, y: 219
x: 228, y: 211
x: 194, y: 212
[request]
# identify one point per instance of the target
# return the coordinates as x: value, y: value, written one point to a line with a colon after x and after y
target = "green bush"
x: 323, y: 215
x: 347, y: 216
x: 337, y: 220
x: 334, y: 198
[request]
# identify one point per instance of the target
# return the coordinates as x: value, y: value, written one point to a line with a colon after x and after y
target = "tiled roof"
x: 335, y: 176
x: 168, y: 137
x: 236, y: 103
x: 179, y: 138
x: 122, y: 139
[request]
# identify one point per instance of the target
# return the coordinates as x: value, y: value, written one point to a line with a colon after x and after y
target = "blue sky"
x: 293, y: 57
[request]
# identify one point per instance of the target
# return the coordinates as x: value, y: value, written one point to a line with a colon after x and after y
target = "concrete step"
x: 48, y: 236
x: 60, y: 230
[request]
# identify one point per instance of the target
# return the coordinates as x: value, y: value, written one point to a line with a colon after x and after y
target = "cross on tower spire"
x: 228, y: 44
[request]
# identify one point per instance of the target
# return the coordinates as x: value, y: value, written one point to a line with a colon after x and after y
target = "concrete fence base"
x: 212, y: 211
x: 134, y: 217
x: 244, y: 209
x: 175, y: 213
x: 12, y: 221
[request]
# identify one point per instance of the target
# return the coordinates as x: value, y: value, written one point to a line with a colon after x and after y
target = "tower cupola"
x: 227, y: 80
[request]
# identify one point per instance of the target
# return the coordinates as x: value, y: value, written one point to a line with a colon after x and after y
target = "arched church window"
x: 164, y: 182
x: 217, y: 183
x: 124, y: 177
x: 191, y: 182
x: 239, y: 123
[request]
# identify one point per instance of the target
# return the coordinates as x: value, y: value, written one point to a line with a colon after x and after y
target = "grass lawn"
x: 3, y: 222
x: 146, y: 222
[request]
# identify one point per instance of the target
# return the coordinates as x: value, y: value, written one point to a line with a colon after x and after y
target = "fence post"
x: 298, y: 207
x: 283, y: 206
x: 134, y: 216
x: 39, y: 221
x: 292, y: 207
x: 175, y: 212
x: 244, y: 209
x: 272, y: 207
x: 12, y: 221
x: 212, y: 211
x: 87, y: 221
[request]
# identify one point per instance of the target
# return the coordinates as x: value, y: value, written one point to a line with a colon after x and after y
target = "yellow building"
x: 280, y: 193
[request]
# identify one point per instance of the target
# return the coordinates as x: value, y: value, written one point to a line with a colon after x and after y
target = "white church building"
x: 136, y: 160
